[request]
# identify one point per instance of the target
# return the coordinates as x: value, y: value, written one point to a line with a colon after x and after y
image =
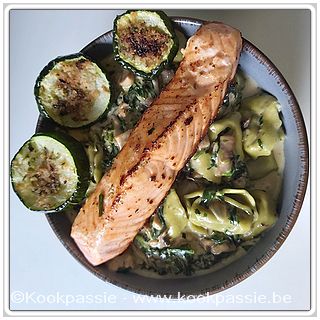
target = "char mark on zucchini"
x: 144, y: 41
x: 73, y: 91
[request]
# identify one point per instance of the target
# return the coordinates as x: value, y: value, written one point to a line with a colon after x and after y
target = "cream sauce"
x: 251, y: 87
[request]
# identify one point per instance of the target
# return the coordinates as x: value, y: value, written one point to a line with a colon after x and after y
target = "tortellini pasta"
x: 263, y: 129
x: 224, y: 212
x: 231, y: 211
x: 232, y: 122
x: 200, y: 231
x: 219, y: 159
x: 201, y: 163
x: 174, y: 214
x: 267, y: 216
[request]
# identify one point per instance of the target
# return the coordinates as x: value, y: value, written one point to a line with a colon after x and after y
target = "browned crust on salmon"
x: 163, y: 141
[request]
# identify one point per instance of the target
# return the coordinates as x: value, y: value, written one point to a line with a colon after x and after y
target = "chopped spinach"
x: 138, y: 93
x: 208, y: 196
x: 261, y: 121
x: 176, y: 260
x: 219, y: 237
x: 138, y: 98
x: 239, y: 169
x: 166, y: 260
x: 214, y: 155
x: 110, y: 147
x: 157, y: 216
x: 232, y: 99
x: 233, y: 217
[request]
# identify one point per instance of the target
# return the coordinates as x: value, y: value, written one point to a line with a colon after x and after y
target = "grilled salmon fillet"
x: 159, y: 146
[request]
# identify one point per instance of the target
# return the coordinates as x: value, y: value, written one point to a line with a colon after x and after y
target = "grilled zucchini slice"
x: 144, y: 41
x: 73, y: 91
x: 50, y: 172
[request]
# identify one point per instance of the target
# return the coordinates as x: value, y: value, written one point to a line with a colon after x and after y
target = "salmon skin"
x: 160, y: 145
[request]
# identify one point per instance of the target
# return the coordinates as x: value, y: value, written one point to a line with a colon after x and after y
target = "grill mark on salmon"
x: 149, y: 162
